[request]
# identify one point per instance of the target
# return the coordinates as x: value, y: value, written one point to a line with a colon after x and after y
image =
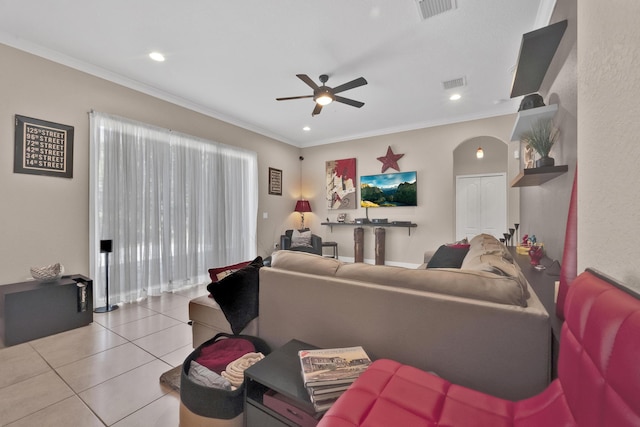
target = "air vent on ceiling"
x: 450, y: 84
x: 429, y: 8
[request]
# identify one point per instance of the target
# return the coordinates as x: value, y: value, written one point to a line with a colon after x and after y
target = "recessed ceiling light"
x: 306, y: 128
x: 455, y: 97
x: 156, y: 56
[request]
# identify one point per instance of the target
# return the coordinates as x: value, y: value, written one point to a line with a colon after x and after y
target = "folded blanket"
x: 219, y: 354
x: 235, y: 370
x: 206, y: 377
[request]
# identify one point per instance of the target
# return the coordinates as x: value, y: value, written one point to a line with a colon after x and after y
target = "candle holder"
x: 506, y: 238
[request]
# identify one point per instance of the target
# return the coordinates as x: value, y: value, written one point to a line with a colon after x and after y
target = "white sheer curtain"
x: 173, y: 204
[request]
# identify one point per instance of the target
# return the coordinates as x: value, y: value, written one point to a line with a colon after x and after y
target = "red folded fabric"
x: 218, y: 355
x: 213, y: 272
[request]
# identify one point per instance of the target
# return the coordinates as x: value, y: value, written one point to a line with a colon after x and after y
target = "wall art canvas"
x: 275, y: 181
x: 43, y: 148
x: 341, y: 184
x: 389, y: 190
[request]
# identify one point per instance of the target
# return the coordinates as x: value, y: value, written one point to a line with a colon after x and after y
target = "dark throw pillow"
x: 448, y: 257
x: 237, y: 295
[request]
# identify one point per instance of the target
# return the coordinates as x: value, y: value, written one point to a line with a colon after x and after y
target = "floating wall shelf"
x: 538, y: 176
x: 409, y: 225
x: 536, y: 52
x: 528, y: 117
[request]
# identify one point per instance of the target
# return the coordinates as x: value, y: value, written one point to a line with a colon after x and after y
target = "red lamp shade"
x: 302, y: 206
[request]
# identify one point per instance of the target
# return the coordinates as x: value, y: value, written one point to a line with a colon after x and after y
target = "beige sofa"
x: 480, y: 326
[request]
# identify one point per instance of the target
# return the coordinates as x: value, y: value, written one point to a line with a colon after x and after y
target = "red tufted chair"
x: 598, y: 380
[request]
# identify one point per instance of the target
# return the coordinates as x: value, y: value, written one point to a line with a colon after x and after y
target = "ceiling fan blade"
x: 294, y: 97
x: 348, y: 101
x: 360, y: 81
x: 307, y: 80
x: 316, y: 110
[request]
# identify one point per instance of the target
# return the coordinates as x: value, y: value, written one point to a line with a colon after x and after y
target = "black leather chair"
x: 315, y: 248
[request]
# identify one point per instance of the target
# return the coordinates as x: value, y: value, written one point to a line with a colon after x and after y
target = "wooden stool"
x: 333, y: 245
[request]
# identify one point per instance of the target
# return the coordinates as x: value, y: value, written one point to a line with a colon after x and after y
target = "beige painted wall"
x: 608, y: 142
x: 427, y: 151
x: 544, y: 208
x: 46, y: 219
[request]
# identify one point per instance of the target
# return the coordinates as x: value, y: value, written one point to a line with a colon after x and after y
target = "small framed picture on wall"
x: 275, y: 181
x: 43, y: 148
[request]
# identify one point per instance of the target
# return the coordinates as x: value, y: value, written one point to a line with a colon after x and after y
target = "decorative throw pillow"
x: 301, y: 239
x: 214, y: 272
x: 237, y: 295
x: 448, y: 257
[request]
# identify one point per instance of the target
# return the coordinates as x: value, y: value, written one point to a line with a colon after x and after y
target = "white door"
x: 481, y: 205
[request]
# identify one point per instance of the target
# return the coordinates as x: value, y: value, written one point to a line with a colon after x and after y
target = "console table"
x: 358, y: 237
x: 408, y: 226
x: 33, y: 309
x: 278, y: 372
x: 544, y: 287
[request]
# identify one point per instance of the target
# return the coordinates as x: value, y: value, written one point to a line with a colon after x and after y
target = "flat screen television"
x: 388, y: 190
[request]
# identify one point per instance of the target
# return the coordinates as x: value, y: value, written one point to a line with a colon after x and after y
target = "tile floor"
x: 103, y: 374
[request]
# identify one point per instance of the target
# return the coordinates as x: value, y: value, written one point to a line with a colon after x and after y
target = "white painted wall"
x: 609, y: 138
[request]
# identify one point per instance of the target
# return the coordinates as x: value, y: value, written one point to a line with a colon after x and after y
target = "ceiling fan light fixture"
x: 324, y: 95
x: 324, y: 98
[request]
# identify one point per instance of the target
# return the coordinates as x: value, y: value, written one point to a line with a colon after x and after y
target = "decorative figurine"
x: 528, y: 157
x: 536, y: 253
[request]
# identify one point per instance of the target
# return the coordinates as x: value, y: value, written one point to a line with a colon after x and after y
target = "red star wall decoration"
x: 390, y: 160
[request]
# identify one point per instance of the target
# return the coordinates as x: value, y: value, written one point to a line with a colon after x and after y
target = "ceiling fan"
x: 324, y: 95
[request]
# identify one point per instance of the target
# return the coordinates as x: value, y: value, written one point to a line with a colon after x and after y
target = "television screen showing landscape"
x: 388, y: 190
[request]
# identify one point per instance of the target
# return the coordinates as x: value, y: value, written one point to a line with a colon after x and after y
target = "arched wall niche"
x: 496, y: 160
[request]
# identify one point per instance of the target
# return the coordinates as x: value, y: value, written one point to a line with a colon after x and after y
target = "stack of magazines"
x: 327, y: 373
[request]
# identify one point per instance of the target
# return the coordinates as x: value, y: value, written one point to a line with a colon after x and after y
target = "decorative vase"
x: 536, y: 253
x: 545, y: 161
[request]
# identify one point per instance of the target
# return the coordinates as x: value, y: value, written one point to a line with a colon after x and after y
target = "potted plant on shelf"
x: 541, y: 138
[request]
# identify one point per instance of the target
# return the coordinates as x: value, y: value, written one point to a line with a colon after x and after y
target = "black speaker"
x: 106, y: 246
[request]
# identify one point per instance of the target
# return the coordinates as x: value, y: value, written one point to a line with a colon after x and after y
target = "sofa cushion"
x: 463, y: 283
x: 497, y: 264
x: 448, y: 257
x: 484, y: 244
x: 392, y: 394
x: 237, y: 295
x: 206, y: 311
x: 305, y: 263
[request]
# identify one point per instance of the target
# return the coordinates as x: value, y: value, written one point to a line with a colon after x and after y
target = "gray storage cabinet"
x: 33, y: 309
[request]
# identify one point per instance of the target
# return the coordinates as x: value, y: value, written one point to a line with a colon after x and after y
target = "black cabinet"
x: 33, y: 309
x: 279, y: 372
